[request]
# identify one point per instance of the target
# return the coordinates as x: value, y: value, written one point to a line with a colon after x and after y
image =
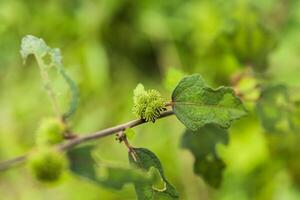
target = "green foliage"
x: 47, y: 164
x: 202, y: 145
x: 249, y: 38
x: 195, y: 104
x: 51, y: 131
x: 275, y: 109
x: 113, y: 43
x: 82, y: 162
x: 84, y: 165
x: 284, y: 147
x: 117, y: 177
x: 147, y: 104
x: 37, y: 47
x: 158, y: 182
x: 279, y: 114
x: 145, y: 159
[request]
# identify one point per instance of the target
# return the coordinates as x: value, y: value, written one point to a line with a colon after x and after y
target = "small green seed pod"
x: 50, y: 132
x: 47, y: 164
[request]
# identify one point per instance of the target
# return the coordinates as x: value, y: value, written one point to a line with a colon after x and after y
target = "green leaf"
x: 274, y: 108
x: 83, y: 165
x: 158, y: 182
x: 145, y: 159
x: 82, y: 162
x: 117, y: 177
x: 195, y: 104
x: 202, y: 145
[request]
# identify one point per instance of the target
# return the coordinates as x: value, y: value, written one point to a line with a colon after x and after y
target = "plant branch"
x: 78, y: 140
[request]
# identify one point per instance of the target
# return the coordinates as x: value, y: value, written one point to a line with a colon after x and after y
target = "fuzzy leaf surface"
x: 195, y: 104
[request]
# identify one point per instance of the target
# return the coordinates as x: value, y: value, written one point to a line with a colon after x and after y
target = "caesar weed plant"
x: 207, y: 113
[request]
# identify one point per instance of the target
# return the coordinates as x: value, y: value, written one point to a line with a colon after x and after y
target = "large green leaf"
x: 195, y: 104
x: 83, y: 165
x: 202, y: 144
x: 145, y: 159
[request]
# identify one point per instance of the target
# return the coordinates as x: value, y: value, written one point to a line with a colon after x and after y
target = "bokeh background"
x: 109, y: 46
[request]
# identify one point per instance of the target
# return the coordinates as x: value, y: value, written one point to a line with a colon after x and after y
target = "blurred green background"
x: 109, y: 46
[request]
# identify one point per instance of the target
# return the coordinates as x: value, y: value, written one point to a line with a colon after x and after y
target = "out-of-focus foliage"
x: 32, y: 45
x: 115, y: 177
x: 203, y: 146
x: 273, y: 108
x: 111, y: 45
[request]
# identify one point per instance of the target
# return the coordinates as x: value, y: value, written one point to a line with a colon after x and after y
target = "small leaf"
x: 144, y: 159
x: 202, y: 145
x: 195, y: 104
x: 129, y: 132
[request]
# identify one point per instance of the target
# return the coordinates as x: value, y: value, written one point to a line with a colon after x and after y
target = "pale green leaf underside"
x: 145, y: 160
x: 195, y: 104
x: 37, y: 47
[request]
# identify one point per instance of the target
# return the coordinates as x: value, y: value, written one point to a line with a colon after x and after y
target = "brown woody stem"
x: 4, y: 165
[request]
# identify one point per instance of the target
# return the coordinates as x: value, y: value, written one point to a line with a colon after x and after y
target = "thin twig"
x: 12, y: 162
x: 171, y: 103
x: 78, y: 140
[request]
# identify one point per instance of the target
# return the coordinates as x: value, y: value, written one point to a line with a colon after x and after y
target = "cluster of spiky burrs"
x: 149, y: 104
x: 46, y: 163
